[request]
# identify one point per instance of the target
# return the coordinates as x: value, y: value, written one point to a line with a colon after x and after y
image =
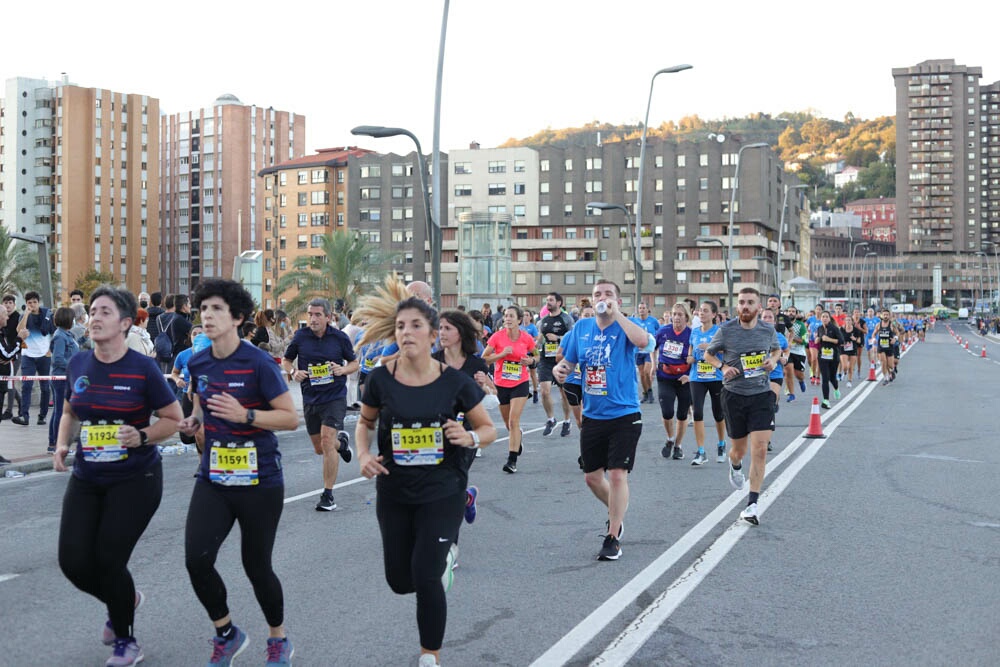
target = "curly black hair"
x: 233, y: 293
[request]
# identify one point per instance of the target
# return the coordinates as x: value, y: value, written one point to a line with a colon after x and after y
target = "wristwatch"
x: 251, y: 415
x: 143, y: 438
x: 475, y: 439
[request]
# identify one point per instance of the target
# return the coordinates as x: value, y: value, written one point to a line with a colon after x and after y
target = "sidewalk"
x: 24, y: 446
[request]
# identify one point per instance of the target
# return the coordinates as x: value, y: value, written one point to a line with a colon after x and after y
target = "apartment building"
x: 947, y: 177
x: 878, y: 218
x: 563, y: 245
x: 211, y: 202
x: 351, y: 190
x: 80, y: 166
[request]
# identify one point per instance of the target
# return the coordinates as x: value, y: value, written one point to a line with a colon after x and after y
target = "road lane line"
x: 569, y: 645
x: 635, y: 636
x: 7, y: 577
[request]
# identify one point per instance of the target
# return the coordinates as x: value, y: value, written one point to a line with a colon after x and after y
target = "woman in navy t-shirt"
x: 117, y: 479
x: 240, y: 399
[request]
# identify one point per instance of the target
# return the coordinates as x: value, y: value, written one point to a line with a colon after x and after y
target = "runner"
x: 511, y: 351
x: 853, y: 340
x: 117, y: 479
x: 796, y: 366
x: 324, y: 358
x: 812, y: 324
x: 830, y: 339
x: 528, y: 326
x: 643, y: 361
x: 750, y: 351
x: 421, y: 465
x: 240, y: 399
x: 457, y: 337
x: 604, y: 348
x: 705, y: 379
x: 552, y: 328
x: 776, y: 376
x: 573, y: 386
x: 672, y: 376
x: 883, y: 338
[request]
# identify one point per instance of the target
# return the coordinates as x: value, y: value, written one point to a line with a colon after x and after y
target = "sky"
x: 511, y: 67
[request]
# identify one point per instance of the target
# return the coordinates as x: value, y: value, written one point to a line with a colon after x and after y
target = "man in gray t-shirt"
x: 750, y: 352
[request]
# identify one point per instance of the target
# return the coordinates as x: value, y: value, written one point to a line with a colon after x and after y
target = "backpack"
x: 164, y: 344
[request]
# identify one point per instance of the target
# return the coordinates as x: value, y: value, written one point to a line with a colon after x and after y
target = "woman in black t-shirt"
x: 457, y: 340
x: 830, y: 339
x: 420, y: 466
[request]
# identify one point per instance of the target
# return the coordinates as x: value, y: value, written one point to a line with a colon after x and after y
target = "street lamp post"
x: 996, y: 264
x: 642, y: 167
x: 982, y: 293
x: 732, y: 208
x: 44, y: 270
x: 433, y: 224
x: 781, y: 229
x: 636, y: 248
x: 707, y: 240
x: 850, y: 278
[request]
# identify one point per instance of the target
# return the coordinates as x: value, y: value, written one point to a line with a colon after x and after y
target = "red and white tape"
x: 30, y: 378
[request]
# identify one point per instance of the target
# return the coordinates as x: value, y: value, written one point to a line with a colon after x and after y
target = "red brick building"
x: 878, y: 218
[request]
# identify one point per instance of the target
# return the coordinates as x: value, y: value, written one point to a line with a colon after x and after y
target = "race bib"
x: 884, y: 339
x: 826, y: 353
x: 417, y: 445
x: 673, y: 348
x: 99, y: 443
x: 848, y: 345
x: 320, y: 374
x: 370, y: 363
x: 511, y: 371
x: 233, y: 464
x: 706, y: 371
x: 597, y: 381
x: 753, y: 364
x: 551, y: 347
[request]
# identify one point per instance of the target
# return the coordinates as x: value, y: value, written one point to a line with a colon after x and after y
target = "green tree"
x: 91, y: 279
x: 346, y: 268
x: 18, y: 265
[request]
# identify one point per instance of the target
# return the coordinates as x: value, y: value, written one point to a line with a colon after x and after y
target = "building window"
x: 320, y: 176
x: 371, y: 215
x: 567, y: 210
x: 497, y: 167
x: 545, y: 279
x: 658, y: 185
x: 497, y: 189
x: 569, y: 278
x: 371, y: 171
x: 680, y: 230
x: 543, y: 165
x: 303, y: 219
x: 303, y: 177
x: 371, y: 193
x: 571, y: 232
x: 543, y: 187
x: 543, y: 210
x: 316, y: 240
x: 463, y: 167
x: 319, y: 197
x: 303, y: 198
x: 519, y: 188
x: 547, y: 256
x: 519, y: 211
x: 520, y: 278
x: 303, y: 241
x: 682, y: 277
x: 594, y: 163
x: 681, y: 184
x: 571, y: 255
x: 605, y: 232
x: 594, y: 186
x: 568, y: 164
x: 463, y: 190
x: 658, y: 209
x: 589, y: 233
x: 703, y: 184
x: 703, y: 160
x: 568, y: 187
x: 319, y: 219
x: 546, y: 233
x: 682, y: 161
x: 658, y: 162
x: 681, y: 207
x: 703, y: 207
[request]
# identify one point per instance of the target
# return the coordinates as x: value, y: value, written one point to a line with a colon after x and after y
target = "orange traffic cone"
x: 983, y: 355
x: 815, y: 424
x: 871, y: 373
x: 966, y: 345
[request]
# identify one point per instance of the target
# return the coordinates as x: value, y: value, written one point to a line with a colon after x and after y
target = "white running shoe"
x: 736, y: 477
x: 749, y: 514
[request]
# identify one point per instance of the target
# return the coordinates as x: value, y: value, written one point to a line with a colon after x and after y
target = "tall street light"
x: 642, y: 167
x: 636, y: 248
x: 996, y: 264
x: 732, y: 208
x: 781, y: 229
x: 708, y: 240
x: 850, y: 278
x: 433, y: 224
x: 986, y: 264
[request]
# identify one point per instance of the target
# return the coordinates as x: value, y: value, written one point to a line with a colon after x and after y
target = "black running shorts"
x: 746, y: 414
x: 610, y: 443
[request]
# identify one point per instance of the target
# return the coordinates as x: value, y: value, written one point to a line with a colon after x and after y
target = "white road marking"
x: 7, y: 577
x: 938, y: 457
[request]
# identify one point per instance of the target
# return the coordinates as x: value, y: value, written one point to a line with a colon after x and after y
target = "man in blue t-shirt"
x: 644, y: 361
x: 325, y: 357
x: 604, y: 348
x: 35, y: 329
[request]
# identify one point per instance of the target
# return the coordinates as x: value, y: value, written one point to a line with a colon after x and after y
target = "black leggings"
x: 101, y: 524
x: 828, y: 371
x: 211, y: 515
x: 415, y: 543
x: 713, y: 389
x: 670, y: 390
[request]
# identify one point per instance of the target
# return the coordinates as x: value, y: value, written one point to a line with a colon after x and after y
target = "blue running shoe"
x: 471, y: 494
x: 802, y: 386
x: 224, y: 651
x: 279, y: 651
x: 125, y: 654
x: 790, y: 398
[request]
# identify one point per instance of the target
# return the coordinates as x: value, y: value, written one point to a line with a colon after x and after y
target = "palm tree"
x: 18, y: 265
x: 347, y: 267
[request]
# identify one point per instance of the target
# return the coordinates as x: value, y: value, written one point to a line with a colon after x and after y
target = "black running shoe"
x: 611, y: 549
x: 564, y: 431
x: 510, y: 467
x: 326, y: 503
x: 550, y: 424
x: 344, y: 449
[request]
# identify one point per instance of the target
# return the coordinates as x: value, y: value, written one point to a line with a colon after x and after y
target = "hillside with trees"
x: 804, y: 141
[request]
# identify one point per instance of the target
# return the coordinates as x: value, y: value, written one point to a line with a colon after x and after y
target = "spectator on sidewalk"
x: 10, y: 331
x: 35, y: 329
x: 63, y: 347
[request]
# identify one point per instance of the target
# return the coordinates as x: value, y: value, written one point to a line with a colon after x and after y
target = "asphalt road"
x: 878, y: 545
